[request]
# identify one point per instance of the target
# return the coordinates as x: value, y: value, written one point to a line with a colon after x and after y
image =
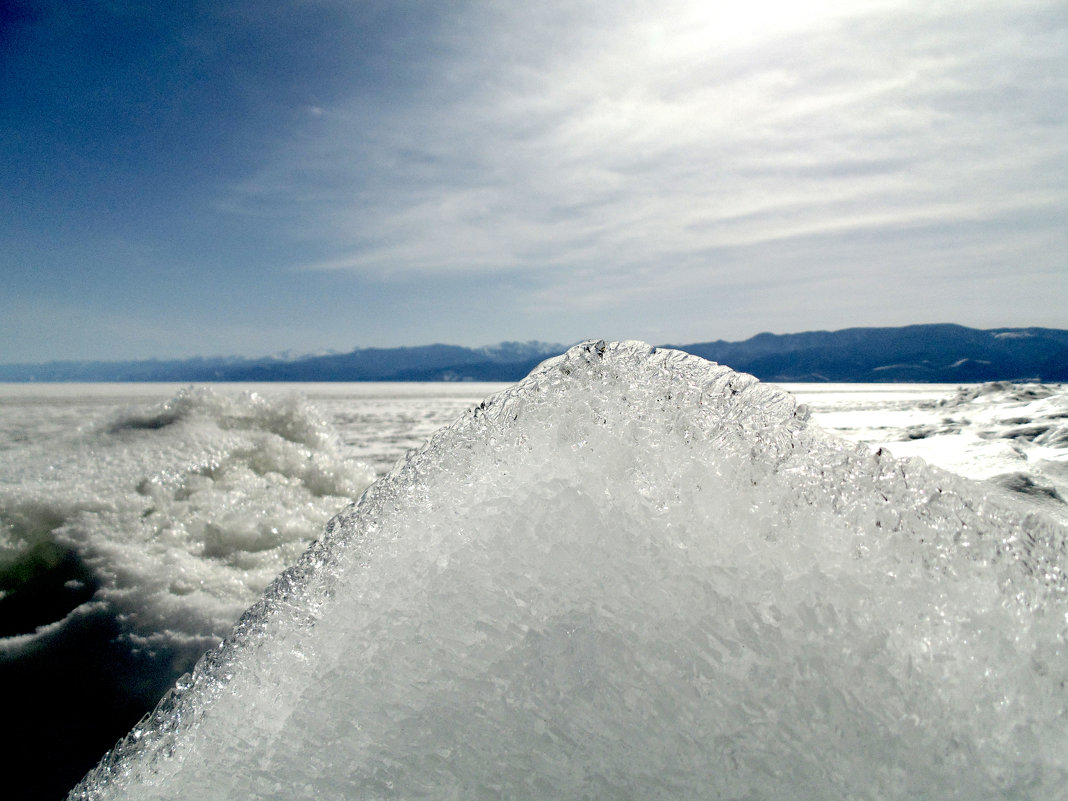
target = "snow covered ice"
x: 638, y: 575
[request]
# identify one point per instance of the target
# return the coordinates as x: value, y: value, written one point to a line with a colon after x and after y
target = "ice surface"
x: 637, y: 574
x: 1014, y: 435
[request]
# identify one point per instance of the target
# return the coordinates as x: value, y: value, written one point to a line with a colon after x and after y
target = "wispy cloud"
x: 556, y: 140
x: 667, y: 148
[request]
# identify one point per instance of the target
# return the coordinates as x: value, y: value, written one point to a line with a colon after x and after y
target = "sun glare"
x: 751, y: 20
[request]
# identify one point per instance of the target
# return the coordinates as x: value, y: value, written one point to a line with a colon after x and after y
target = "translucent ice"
x: 633, y: 575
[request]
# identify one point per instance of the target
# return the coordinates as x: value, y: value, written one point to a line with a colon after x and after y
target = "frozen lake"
x: 139, y: 520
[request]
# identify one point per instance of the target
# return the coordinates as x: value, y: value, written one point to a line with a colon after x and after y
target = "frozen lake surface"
x: 138, y: 521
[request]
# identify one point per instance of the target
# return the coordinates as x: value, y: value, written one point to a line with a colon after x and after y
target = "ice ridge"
x: 637, y: 574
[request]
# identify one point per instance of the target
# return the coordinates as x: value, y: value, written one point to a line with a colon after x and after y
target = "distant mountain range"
x: 507, y: 361
x: 922, y: 353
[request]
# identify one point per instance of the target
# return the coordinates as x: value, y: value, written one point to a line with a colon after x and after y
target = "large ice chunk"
x: 640, y: 575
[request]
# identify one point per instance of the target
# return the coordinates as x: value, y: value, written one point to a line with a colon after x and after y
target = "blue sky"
x: 254, y: 177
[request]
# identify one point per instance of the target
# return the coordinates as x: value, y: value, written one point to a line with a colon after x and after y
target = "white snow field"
x: 638, y: 575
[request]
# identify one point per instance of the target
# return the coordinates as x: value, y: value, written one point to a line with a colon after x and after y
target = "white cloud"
x: 654, y: 145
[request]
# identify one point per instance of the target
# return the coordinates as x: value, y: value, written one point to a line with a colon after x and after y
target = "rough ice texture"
x: 181, y: 514
x: 639, y: 575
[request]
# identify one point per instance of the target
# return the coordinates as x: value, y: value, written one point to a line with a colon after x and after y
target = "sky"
x: 249, y: 178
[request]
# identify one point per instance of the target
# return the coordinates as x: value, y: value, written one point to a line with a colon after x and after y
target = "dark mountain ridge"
x: 941, y: 353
